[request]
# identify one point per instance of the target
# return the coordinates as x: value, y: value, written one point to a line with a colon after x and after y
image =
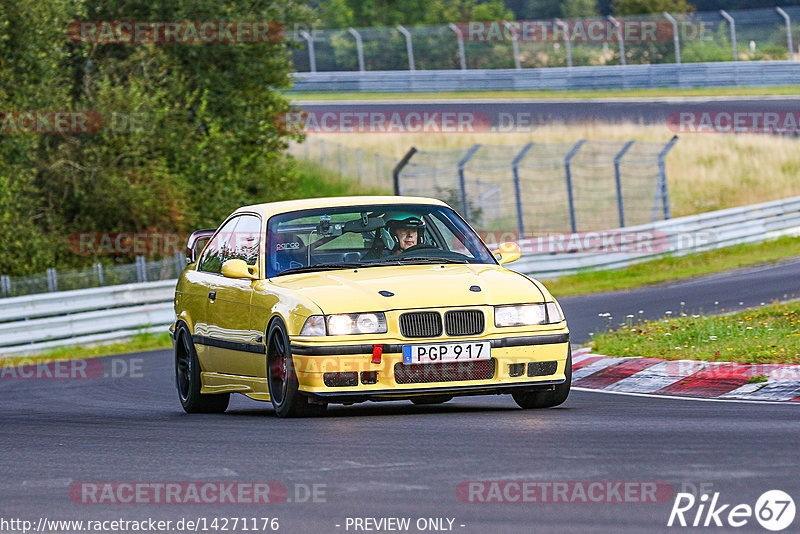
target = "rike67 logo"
x: 774, y: 510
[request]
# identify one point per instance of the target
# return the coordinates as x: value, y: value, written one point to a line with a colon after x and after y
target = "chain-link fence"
x: 371, y: 170
x: 98, y: 275
x: 754, y: 34
x: 588, y: 185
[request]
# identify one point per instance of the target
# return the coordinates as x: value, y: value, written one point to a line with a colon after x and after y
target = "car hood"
x: 414, y: 286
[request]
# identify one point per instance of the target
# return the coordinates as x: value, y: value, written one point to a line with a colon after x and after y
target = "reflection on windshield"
x: 367, y: 236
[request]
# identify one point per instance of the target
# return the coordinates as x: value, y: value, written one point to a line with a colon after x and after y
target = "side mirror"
x: 239, y: 269
x: 196, y: 243
x: 508, y: 252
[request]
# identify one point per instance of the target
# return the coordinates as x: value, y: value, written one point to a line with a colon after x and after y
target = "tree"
x: 576, y: 9
x: 640, y: 7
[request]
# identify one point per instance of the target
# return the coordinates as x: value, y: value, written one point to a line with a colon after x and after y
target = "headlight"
x: 345, y: 324
x: 527, y: 314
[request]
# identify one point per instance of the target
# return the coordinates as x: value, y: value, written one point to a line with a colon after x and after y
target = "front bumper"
x: 540, y: 357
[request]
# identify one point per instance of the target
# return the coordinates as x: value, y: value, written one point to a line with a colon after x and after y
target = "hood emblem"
x: 386, y: 293
x: 475, y: 289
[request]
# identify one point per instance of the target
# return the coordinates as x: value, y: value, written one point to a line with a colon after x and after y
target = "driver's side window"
x: 219, y: 248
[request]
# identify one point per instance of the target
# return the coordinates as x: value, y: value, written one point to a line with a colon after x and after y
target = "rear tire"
x: 432, y: 399
x: 533, y: 398
x: 282, y: 377
x: 188, y: 381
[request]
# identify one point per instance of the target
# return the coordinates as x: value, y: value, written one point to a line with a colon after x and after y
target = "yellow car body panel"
x: 229, y: 330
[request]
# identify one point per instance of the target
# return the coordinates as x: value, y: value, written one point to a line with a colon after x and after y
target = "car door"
x: 235, y: 348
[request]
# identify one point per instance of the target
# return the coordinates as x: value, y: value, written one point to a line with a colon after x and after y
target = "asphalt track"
x: 523, y: 114
x: 400, y: 460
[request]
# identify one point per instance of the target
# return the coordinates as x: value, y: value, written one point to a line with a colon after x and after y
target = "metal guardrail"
x: 670, y: 75
x: 672, y: 237
x: 36, y: 322
x: 33, y: 323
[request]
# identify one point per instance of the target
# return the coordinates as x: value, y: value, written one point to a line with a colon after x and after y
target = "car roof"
x: 273, y: 208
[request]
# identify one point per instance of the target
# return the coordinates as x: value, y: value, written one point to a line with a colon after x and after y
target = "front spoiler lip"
x: 400, y: 394
x: 340, y: 350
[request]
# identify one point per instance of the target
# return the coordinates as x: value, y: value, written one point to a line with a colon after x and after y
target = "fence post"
x: 141, y: 269
x: 312, y: 57
x: 359, y: 164
x: 399, y: 167
x: 733, y: 32
x: 517, y: 189
x: 675, y: 38
x: 98, y: 268
x: 5, y: 285
x: 785, y: 16
x: 359, y: 48
x: 567, y: 43
x: 460, y: 36
x: 618, y: 180
x: 180, y: 262
x: 341, y: 160
x: 514, y: 43
x: 616, y: 24
x: 378, y: 169
x: 568, y: 173
x: 662, y: 177
x: 409, y: 46
x: 462, y: 182
x: 52, y: 279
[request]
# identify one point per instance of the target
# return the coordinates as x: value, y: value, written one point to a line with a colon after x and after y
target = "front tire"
x: 284, y: 389
x: 188, y: 382
x: 533, y: 398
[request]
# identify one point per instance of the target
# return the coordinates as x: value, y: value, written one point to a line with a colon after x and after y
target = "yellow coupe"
x: 341, y: 300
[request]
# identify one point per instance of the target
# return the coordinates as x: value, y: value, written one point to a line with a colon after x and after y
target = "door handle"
x: 212, y: 295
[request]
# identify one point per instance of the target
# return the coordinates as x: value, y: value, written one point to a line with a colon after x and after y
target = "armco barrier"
x: 32, y: 323
x: 35, y: 322
x: 682, y: 235
x: 669, y: 75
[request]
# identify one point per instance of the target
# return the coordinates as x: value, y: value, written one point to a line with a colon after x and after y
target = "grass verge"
x: 314, y: 181
x: 623, y: 93
x: 675, y: 268
x: 139, y: 343
x: 768, y: 334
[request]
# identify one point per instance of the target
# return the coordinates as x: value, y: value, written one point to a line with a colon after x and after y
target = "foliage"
x: 189, y: 130
x: 639, y: 7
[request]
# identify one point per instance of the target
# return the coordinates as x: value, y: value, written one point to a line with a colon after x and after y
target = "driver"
x: 406, y: 230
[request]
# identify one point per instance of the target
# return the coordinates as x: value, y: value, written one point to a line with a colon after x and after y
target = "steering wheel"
x: 420, y: 246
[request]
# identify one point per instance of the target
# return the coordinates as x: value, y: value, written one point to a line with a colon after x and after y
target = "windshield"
x: 370, y: 236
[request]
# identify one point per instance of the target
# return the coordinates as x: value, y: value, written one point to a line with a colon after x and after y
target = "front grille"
x: 463, y: 322
x: 338, y: 380
x: 369, y: 377
x: 516, y: 369
x: 542, y: 368
x: 422, y: 373
x: 421, y: 324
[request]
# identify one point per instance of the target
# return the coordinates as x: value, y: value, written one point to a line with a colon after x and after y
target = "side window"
x: 246, y: 240
x: 219, y: 248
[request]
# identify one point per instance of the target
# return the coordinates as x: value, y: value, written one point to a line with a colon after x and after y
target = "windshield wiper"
x: 425, y: 260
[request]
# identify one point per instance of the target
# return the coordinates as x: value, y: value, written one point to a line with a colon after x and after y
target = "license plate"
x: 447, y: 352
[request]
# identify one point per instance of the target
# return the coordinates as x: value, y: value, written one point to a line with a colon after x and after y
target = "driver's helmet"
x: 404, y: 220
